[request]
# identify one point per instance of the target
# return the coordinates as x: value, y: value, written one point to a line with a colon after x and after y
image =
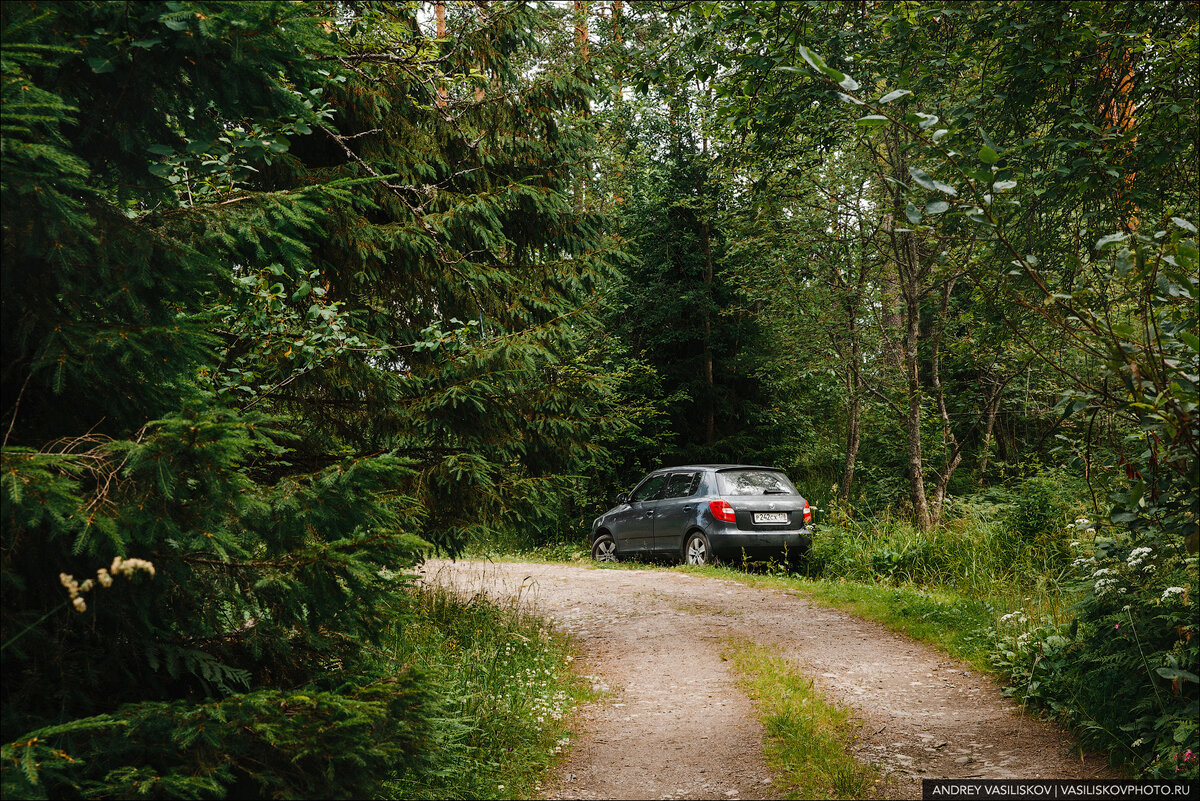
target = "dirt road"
x: 678, y: 727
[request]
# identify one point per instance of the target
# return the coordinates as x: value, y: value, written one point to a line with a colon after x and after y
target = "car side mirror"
x: 622, y: 497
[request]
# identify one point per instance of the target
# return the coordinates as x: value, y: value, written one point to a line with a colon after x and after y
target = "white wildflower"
x: 80, y: 604
x: 1104, y: 571
x: 1169, y: 591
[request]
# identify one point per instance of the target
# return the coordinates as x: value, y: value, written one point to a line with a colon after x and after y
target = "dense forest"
x: 296, y: 294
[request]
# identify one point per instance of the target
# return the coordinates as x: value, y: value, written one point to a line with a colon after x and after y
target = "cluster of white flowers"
x: 1104, y: 571
x: 74, y: 588
x: 1105, y: 585
x: 1084, y: 561
x: 1137, y: 556
x: 127, y: 567
x: 1082, y: 524
x: 1169, y: 591
x: 1019, y: 617
x: 120, y: 567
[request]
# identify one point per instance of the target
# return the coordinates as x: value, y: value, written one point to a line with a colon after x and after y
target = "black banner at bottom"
x: 1007, y: 789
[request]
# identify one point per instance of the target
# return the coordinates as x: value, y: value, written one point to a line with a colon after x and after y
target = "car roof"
x: 717, y: 467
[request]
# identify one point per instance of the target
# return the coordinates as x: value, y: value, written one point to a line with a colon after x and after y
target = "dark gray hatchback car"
x: 702, y: 511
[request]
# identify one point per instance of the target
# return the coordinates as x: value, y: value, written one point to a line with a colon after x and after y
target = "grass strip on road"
x: 807, y: 738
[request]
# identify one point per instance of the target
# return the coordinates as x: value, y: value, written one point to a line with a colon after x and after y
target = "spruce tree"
x: 274, y: 311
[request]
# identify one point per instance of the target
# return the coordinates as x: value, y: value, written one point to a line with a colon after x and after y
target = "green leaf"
x: 987, y: 155
x: 161, y: 170
x: 1111, y: 239
x: 912, y: 213
x: 814, y: 60
x: 1003, y: 186
x: 947, y: 188
x: 894, y: 95
x: 161, y: 150
x: 848, y: 83
x: 1184, y: 224
x: 101, y: 65
x: 871, y: 121
x: 1176, y: 673
x: 936, y: 207
x: 920, y: 176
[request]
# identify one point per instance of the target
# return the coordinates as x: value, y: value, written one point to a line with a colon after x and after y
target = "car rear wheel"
x: 604, y: 549
x: 696, y: 550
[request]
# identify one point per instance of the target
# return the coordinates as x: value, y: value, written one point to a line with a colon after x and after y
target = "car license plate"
x: 770, y: 517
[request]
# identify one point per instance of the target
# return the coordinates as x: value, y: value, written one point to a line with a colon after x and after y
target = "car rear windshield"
x: 754, y: 482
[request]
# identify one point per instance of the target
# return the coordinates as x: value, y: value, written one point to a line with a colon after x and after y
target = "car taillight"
x: 722, y: 510
x: 807, y: 513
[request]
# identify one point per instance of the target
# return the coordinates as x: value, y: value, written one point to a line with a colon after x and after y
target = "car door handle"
x: 688, y: 508
x: 650, y: 513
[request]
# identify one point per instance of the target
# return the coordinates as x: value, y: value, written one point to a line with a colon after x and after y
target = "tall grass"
x: 506, y: 690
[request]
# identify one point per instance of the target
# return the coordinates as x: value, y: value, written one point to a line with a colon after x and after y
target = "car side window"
x: 648, y: 489
x: 681, y: 485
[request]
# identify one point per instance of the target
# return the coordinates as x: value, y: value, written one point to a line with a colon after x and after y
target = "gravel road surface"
x: 676, y: 726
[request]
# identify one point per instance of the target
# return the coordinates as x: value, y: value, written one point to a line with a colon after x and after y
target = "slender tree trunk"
x: 906, y: 259
x: 581, y: 28
x: 912, y: 421
x: 618, y: 39
x: 480, y: 92
x: 992, y: 409
x: 950, y: 442
x: 710, y: 395
x: 439, y: 14
x: 854, y: 386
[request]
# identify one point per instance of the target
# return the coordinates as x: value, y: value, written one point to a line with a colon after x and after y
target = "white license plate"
x: 770, y: 517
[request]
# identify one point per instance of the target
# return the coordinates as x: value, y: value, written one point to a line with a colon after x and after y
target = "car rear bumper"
x: 732, y: 540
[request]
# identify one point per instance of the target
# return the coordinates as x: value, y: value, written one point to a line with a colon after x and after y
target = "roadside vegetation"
x: 507, y: 688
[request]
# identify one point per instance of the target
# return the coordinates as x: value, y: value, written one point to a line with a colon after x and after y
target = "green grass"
x: 508, y: 693
x: 946, y: 620
x: 807, y: 738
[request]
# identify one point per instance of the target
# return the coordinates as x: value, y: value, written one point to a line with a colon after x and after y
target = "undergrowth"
x: 507, y: 691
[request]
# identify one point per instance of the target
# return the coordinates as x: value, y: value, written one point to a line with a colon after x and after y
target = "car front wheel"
x: 604, y: 549
x: 696, y: 550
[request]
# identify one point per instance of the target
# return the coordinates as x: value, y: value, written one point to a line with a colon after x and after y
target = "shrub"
x: 1124, y: 670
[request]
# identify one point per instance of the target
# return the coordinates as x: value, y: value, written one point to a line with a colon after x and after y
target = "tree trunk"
x: 710, y: 395
x: 992, y: 409
x: 949, y: 440
x: 916, y: 469
x: 439, y: 13
x: 852, y: 439
x: 581, y: 28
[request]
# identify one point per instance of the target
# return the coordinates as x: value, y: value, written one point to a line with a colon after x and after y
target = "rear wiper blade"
x: 776, y: 492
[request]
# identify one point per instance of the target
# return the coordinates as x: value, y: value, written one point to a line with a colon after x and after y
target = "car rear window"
x: 754, y: 482
x: 682, y: 485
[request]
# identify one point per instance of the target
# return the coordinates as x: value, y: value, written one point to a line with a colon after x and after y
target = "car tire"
x: 696, y: 550
x: 604, y: 549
